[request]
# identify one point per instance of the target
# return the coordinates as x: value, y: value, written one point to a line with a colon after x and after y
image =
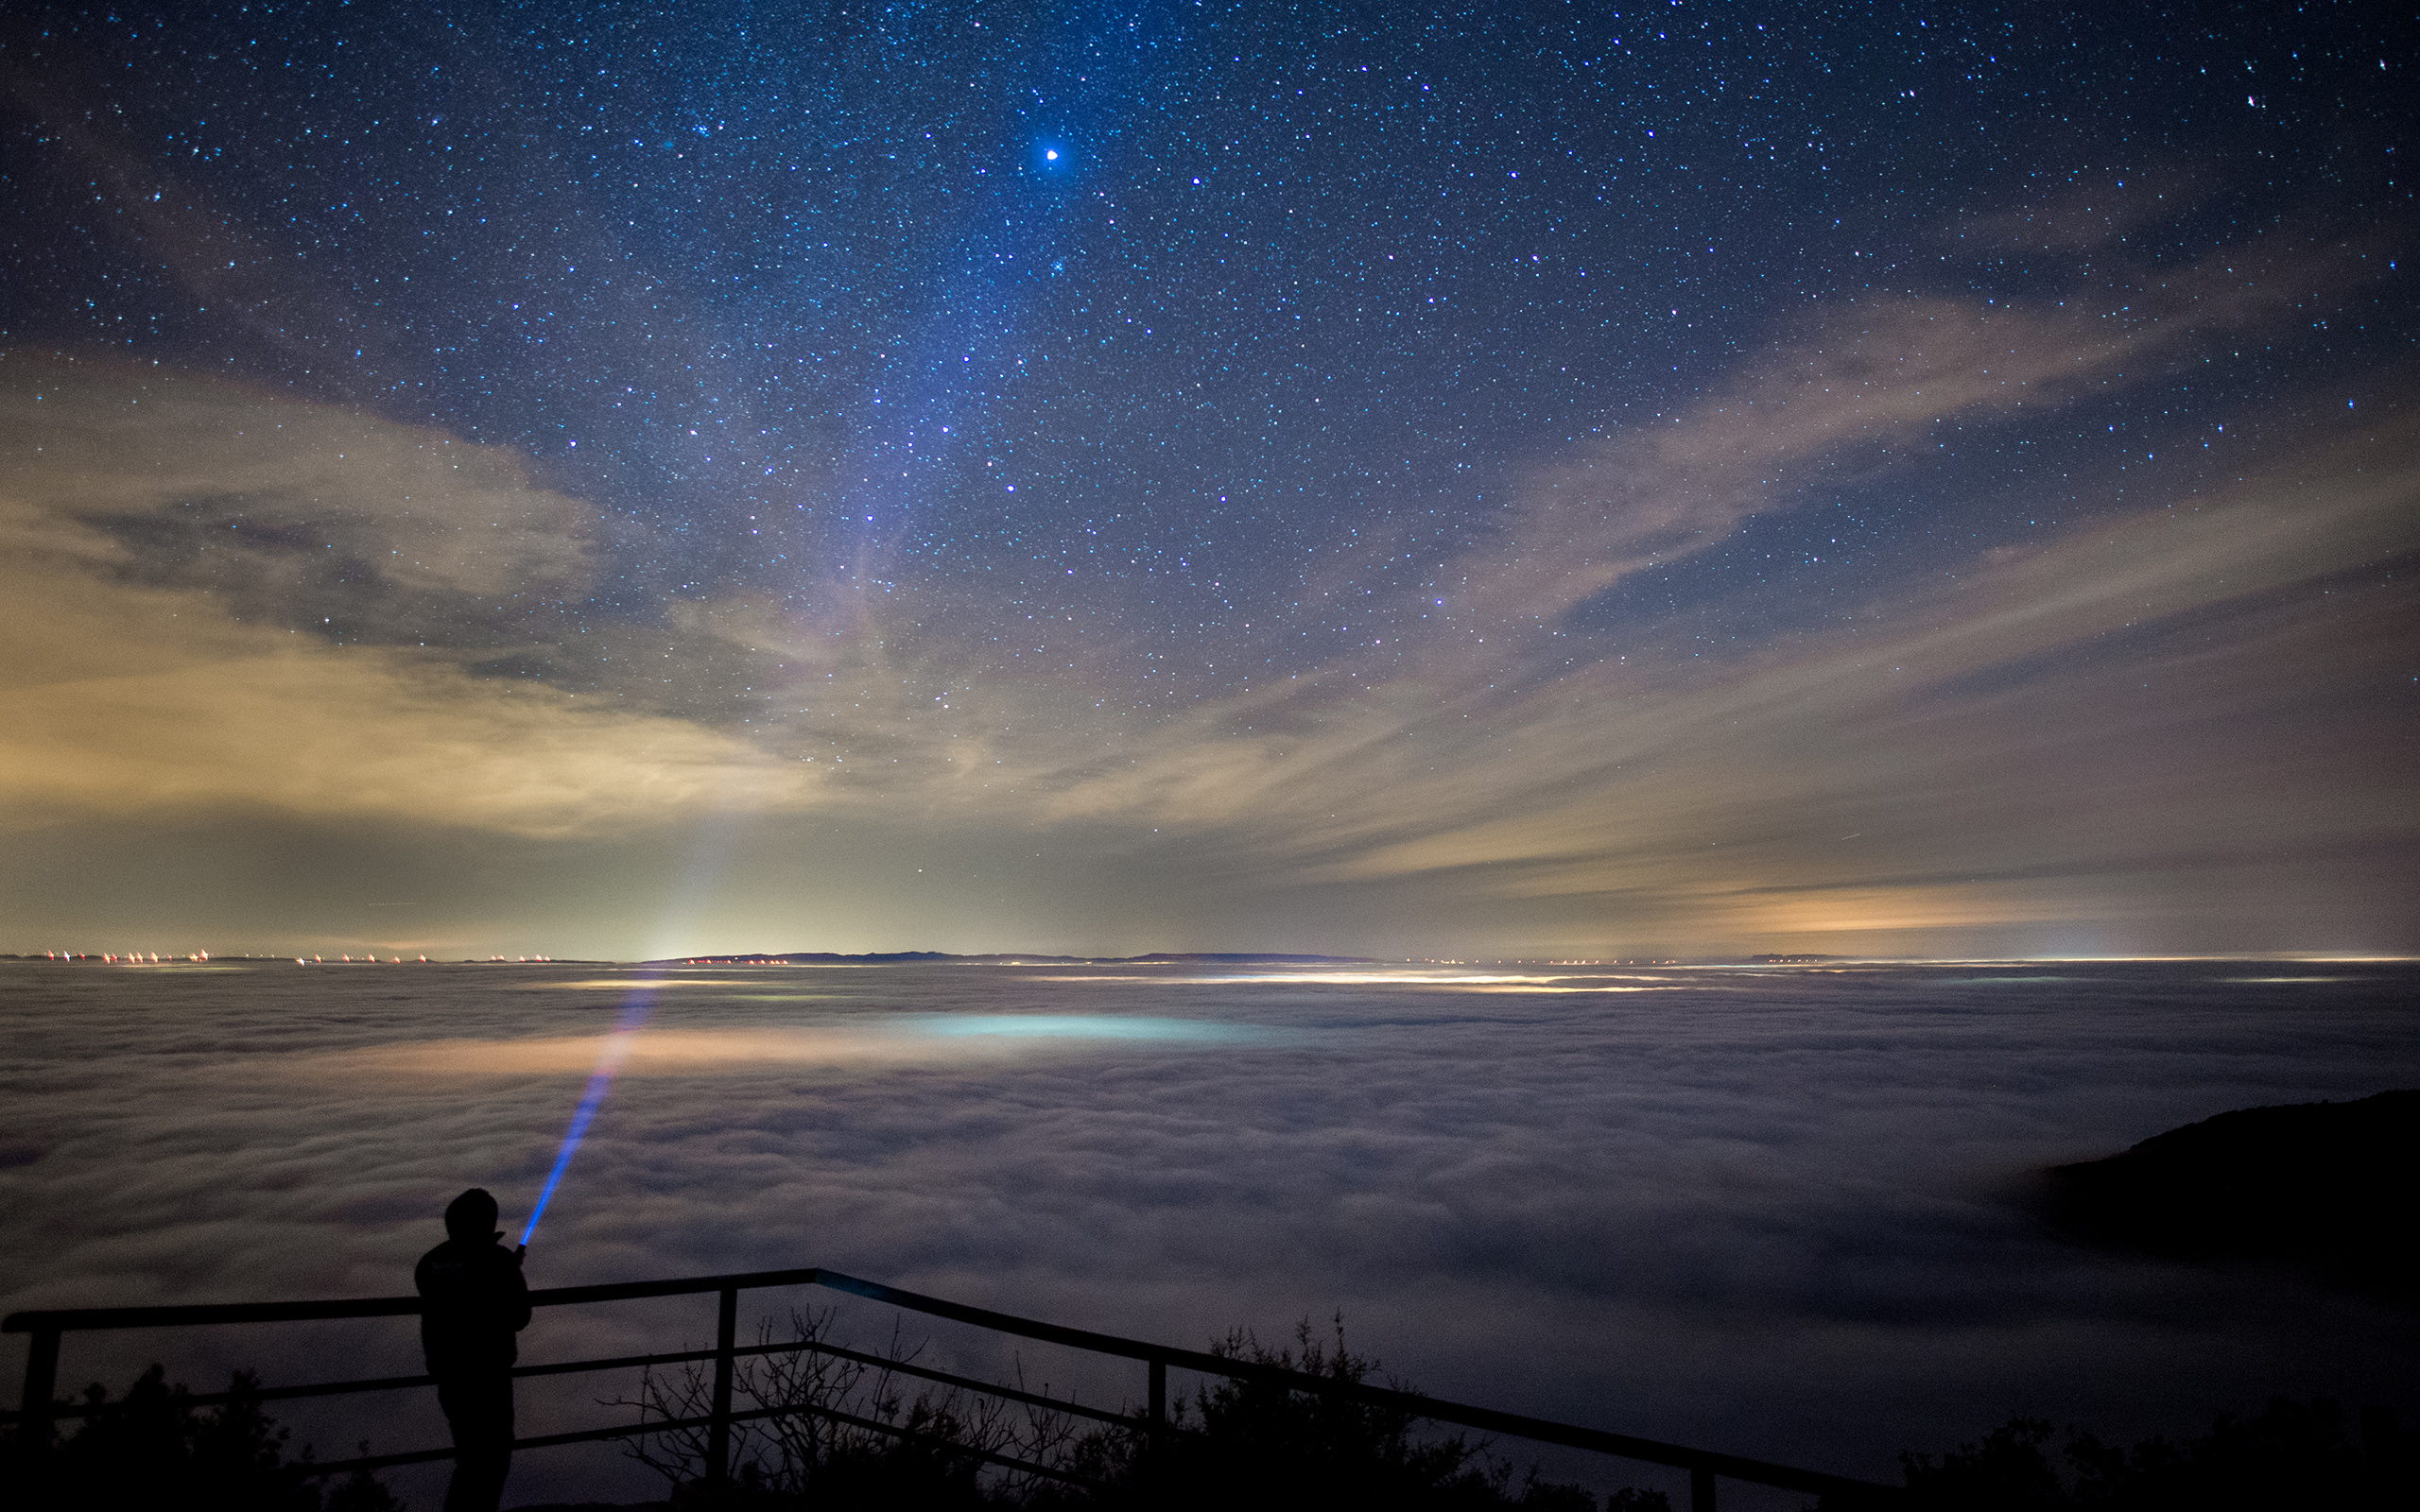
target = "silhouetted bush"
x: 1236, y: 1443
x: 1257, y: 1443
x: 2292, y: 1455
x: 912, y: 1451
x: 153, y: 1450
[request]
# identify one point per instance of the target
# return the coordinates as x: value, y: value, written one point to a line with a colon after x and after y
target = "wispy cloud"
x: 2115, y: 702
x: 1869, y: 373
x: 168, y: 540
x: 175, y: 540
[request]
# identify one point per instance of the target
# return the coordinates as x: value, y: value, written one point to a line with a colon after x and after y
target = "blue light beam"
x: 636, y: 1009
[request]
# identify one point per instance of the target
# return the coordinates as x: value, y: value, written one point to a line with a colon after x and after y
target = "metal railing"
x: 39, y: 1411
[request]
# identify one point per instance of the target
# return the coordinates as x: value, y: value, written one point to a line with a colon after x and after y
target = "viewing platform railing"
x: 39, y: 1411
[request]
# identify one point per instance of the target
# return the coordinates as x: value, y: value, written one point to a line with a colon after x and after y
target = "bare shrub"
x: 843, y: 1424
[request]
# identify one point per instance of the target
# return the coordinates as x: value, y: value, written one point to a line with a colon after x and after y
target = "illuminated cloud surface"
x: 1581, y: 483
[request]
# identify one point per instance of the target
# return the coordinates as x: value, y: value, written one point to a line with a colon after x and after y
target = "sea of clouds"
x: 1782, y: 1213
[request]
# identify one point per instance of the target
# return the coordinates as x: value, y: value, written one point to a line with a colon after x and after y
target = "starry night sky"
x: 1537, y: 479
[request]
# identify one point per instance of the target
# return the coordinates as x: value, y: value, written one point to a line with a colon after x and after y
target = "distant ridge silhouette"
x: 2325, y: 1184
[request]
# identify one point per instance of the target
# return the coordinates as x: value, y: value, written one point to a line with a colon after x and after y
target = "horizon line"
x: 1059, y: 957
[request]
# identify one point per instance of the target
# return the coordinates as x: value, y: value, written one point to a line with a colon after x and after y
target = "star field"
x: 942, y: 387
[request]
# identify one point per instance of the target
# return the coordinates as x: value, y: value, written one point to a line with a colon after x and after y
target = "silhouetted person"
x: 476, y: 1302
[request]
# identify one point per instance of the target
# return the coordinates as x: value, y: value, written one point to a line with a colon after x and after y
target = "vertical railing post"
x: 1159, y: 1393
x: 42, y: 1381
x: 719, y: 1431
x: 1700, y: 1489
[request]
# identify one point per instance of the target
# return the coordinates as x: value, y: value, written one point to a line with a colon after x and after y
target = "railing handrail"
x: 1463, y: 1415
x: 183, y: 1315
x: 1699, y: 1462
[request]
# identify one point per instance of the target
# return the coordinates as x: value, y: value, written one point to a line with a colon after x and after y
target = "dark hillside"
x: 2326, y: 1184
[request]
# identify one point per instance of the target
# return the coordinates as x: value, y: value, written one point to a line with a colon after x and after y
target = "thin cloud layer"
x: 147, y: 476
x: 151, y: 704
x: 176, y: 541
x: 1807, y: 787
x: 168, y: 539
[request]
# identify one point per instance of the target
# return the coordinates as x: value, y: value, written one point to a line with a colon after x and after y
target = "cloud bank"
x: 1774, y: 1211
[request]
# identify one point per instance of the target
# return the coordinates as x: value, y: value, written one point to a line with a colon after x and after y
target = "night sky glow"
x: 1555, y: 480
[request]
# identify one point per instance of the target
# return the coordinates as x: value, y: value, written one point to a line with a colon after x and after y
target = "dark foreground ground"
x: 1241, y: 1446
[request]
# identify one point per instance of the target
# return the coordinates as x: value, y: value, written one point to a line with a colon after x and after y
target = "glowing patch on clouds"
x: 1544, y: 986
x: 2266, y: 980
x: 1498, y: 983
x: 1989, y: 981
x: 909, y: 1041
x: 1089, y: 1027
x: 625, y: 984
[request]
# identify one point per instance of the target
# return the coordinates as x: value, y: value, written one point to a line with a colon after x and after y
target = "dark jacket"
x: 476, y: 1301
